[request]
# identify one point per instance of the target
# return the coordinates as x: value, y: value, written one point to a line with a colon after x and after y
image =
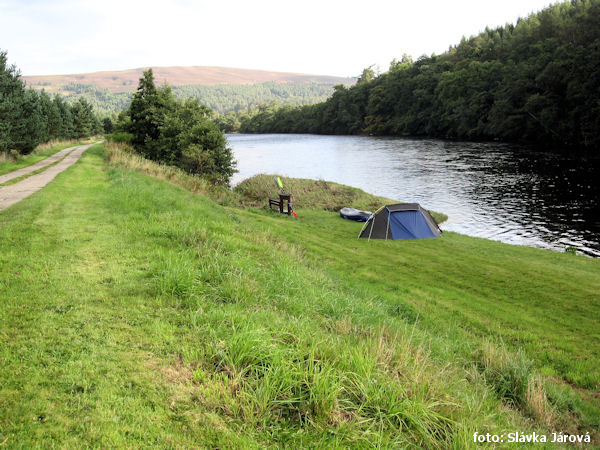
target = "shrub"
x: 179, y: 133
x: 107, y: 125
x: 120, y: 137
x: 195, y: 142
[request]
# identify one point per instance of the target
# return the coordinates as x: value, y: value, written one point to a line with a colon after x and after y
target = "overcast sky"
x: 310, y: 36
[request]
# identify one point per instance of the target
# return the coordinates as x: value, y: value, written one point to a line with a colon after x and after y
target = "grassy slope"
x: 467, y: 290
x: 134, y: 313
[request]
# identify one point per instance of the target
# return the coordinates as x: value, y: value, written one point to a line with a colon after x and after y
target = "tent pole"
x: 363, y: 228
x: 388, y: 224
x: 372, y: 225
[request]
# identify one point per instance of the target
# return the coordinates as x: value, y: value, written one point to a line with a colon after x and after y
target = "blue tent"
x: 401, y: 221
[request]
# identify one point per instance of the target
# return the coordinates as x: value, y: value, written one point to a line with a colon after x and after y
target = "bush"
x: 195, y: 142
x: 107, y: 125
x: 120, y: 137
x: 179, y: 133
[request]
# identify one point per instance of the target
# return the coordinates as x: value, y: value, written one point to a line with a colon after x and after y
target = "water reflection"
x: 498, y: 191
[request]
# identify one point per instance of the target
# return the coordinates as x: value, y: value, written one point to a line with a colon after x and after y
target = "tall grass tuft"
x: 55, y: 142
x: 9, y: 156
x: 537, y: 404
x: 507, y: 373
x: 513, y: 378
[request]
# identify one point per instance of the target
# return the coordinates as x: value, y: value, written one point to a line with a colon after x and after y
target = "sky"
x: 324, y: 37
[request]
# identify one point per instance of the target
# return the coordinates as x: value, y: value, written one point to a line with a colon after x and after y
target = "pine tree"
x: 83, y: 118
x: 28, y: 126
x: 66, y: 118
x: 11, y: 94
x: 149, y: 107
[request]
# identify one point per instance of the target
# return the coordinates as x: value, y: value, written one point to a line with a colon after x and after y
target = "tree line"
x: 29, y: 118
x: 535, y: 81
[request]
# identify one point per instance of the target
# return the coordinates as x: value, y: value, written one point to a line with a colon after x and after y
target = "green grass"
x: 41, y: 152
x: 135, y: 313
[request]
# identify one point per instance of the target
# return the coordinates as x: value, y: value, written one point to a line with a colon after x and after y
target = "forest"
x: 221, y: 98
x: 535, y: 81
x: 29, y: 118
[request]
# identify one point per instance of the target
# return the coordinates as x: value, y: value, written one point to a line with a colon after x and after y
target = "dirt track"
x: 10, y: 195
x: 38, y: 165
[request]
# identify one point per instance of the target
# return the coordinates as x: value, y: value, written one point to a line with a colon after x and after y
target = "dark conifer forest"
x: 29, y: 118
x: 535, y: 81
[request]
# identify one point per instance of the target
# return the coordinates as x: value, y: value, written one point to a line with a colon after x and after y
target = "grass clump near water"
x: 135, y: 313
x: 512, y: 376
x: 313, y: 194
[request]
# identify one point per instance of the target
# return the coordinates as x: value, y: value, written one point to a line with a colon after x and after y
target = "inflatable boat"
x: 355, y: 214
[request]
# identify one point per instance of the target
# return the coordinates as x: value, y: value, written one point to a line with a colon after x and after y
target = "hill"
x: 220, y: 88
x: 126, y: 80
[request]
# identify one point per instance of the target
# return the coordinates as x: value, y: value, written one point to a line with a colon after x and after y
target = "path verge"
x: 37, y: 166
x: 13, y: 193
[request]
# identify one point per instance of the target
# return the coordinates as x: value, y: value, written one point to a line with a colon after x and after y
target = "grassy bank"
x: 135, y: 313
x: 313, y: 194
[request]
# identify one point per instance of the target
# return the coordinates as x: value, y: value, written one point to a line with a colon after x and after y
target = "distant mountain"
x: 127, y: 80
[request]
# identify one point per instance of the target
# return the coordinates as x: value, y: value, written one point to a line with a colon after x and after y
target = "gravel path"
x: 15, y: 192
x: 38, y: 165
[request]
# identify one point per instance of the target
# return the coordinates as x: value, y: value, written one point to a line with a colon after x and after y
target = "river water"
x: 506, y: 192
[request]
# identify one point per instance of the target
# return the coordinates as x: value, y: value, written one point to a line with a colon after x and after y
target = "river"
x: 510, y: 193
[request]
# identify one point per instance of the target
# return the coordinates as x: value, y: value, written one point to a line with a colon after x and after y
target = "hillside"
x: 222, y: 98
x: 126, y: 80
x: 222, y: 89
